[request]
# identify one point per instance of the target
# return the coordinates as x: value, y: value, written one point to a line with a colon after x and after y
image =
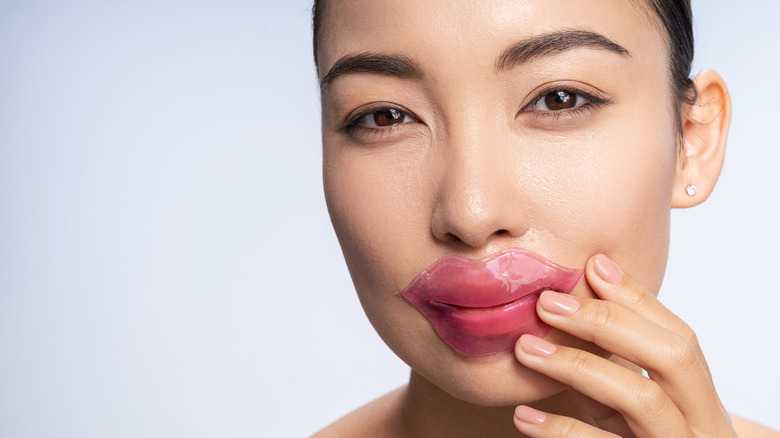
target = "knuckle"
x: 683, y: 354
x: 568, y: 429
x: 651, y: 399
x: 604, y: 317
x: 580, y: 363
x: 638, y: 296
x: 690, y: 335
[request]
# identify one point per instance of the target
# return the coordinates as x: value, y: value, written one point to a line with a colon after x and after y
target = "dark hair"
x: 677, y: 20
x: 316, y: 21
x: 674, y: 16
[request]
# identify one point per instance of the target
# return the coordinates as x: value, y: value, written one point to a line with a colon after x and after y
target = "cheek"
x: 620, y: 201
x: 375, y: 204
x: 379, y: 209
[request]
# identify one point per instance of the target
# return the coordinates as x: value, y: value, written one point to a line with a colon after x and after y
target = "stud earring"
x: 691, y: 189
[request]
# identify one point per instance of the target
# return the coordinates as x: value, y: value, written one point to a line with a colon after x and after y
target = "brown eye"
x: 559, y: 100
x: 388, y: 117
x: 385, y: 117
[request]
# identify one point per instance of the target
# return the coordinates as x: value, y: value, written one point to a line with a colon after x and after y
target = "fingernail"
x: 537, y: 346
x: 529, y: 415
x: 608, y: 270
x: 558, y: 303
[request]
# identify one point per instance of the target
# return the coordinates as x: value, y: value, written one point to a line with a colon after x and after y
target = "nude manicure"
x: 537, y: 346
x: 558, y: 303
x: 608, y: 270
x: 529, y: 415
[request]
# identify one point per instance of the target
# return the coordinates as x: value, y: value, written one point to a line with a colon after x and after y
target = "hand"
x: 677, y: 400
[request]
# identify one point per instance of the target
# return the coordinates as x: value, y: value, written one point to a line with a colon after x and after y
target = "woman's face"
x: 480, y: 125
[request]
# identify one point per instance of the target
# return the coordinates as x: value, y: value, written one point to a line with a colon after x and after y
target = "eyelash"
x: 355, y: 129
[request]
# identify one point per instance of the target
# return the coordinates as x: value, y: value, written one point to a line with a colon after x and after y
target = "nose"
x: 479, y: 198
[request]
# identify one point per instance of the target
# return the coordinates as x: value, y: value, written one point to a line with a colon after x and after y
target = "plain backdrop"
x: 167, y: 266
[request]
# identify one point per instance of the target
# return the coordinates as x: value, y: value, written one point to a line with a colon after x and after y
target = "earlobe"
x: 705, y: 126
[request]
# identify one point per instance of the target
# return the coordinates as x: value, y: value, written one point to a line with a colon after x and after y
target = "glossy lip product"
x: 481, y: 307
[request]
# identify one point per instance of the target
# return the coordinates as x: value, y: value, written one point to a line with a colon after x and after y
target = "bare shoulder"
x: 747, y: 428
x: 379, y: 418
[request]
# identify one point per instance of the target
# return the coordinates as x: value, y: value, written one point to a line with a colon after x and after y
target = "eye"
x: 558, y: 100
x: 383, y: 118
x: 379, y: 122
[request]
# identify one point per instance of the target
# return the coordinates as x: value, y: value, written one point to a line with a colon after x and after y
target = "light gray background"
x: 167, y: 267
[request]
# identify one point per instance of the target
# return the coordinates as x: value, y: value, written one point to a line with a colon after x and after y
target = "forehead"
x: 472, y: 32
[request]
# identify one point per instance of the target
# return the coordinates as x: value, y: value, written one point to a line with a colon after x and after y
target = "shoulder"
x: 379, y: 418
x: 747, y: 428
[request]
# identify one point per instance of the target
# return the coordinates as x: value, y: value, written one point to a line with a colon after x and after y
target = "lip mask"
x: 481, y: 307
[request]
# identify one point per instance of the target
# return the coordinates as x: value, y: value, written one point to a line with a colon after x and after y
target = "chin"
x: 504, y: 382
x: 492, y: 381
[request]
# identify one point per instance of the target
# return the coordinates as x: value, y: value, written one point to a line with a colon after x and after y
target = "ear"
x: 705, y: 126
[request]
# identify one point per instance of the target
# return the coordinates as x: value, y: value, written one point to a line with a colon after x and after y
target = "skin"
x: 473, y: 164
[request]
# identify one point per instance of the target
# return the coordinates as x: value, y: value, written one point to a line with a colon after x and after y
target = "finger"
x: 539, y: 424
x: 612, y: 284
x: 603, y: 416
x: 647, y: 409
x: 668, y: 357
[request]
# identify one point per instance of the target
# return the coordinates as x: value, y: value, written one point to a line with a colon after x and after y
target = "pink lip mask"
x: 481, y: 307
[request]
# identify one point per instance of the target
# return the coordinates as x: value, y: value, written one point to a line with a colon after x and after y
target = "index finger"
x: 610, y: 283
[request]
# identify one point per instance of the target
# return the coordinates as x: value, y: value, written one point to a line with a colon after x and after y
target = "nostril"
x: 501, y: 232
x: 452, y: 238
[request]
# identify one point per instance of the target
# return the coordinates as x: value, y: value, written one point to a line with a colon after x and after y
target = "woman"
x: 500, y: 176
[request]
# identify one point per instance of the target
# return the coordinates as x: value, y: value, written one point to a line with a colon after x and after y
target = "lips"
x: 481, y: 307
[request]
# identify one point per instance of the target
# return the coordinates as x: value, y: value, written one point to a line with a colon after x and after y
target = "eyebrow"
x: 391, y: 65
x: 553, y: 44
x: 523, y: 51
